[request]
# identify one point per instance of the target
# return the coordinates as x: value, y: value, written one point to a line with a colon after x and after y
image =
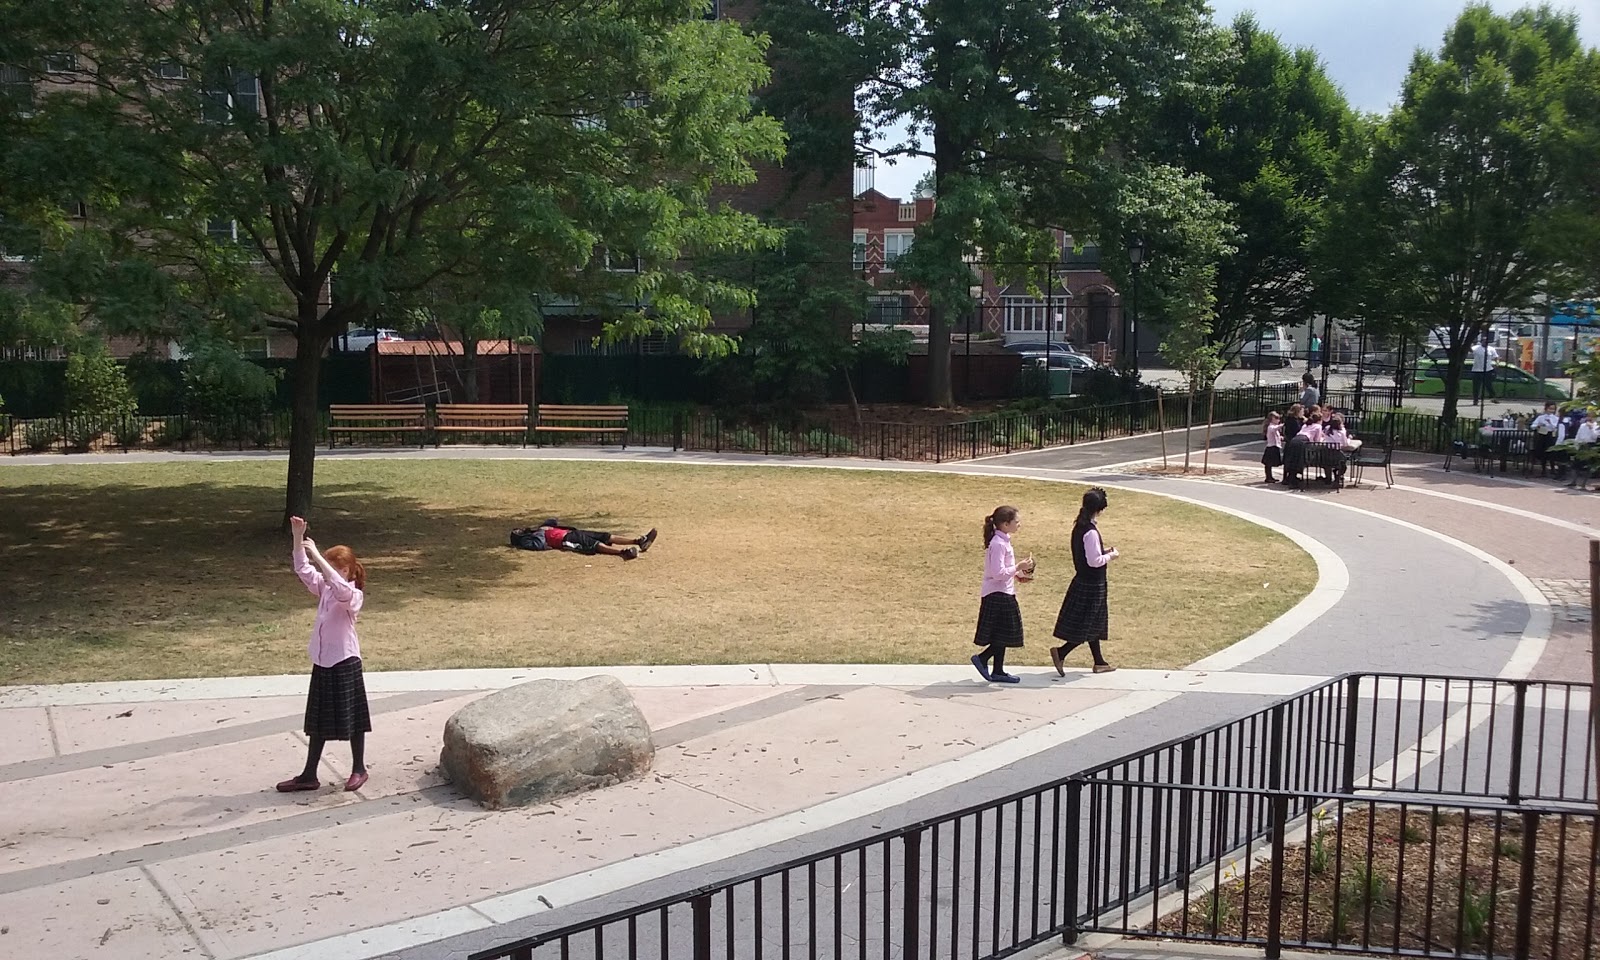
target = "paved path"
x: 146, y: 832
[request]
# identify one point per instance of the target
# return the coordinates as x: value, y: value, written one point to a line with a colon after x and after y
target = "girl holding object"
x: 1273, y: 455
x: 999, y: 617
x: 1085, y: 614
x: 336, y: 705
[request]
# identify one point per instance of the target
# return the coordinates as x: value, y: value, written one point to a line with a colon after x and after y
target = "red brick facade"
x: 1085, y: 304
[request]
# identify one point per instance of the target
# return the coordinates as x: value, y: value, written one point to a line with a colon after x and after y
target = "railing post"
x: 1280, y: 818
x: 1275, y: 761
x: 677, y: 431
x: 1074, y: 845
x: 1352, y: 732
x: 701, y: 907
x: 974, y: 440
x: 1519, y: 716
x: 911, y: 912
x: 883, y: 448
x: 1525, y: 894
x: 1185, y: 812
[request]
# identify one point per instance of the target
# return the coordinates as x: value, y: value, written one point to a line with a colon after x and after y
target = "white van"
x: 1274, y: 347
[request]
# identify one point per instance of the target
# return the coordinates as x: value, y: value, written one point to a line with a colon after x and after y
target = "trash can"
x: 1060, y: 383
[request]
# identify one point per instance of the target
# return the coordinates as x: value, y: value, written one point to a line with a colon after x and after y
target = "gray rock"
x: 546, y: 739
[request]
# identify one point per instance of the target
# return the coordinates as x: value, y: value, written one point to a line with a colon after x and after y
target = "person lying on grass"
x: 551, y: 535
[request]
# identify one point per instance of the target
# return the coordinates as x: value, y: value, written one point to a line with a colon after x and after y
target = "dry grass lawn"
x: 120, y: 571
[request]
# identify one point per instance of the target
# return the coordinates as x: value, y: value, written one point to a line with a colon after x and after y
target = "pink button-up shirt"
x: 333, y: 636
x: 999, y: 566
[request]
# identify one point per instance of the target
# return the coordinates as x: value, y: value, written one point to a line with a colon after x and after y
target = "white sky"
x: 1366, y: 44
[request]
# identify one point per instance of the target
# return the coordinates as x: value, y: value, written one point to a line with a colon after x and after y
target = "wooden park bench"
x: 392, y: 418
x: 575, y: 418
x: 480, y: 418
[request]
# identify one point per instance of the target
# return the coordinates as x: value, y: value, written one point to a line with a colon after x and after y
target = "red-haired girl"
x: 336, y: 705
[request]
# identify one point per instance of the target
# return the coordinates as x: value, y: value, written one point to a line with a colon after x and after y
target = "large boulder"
x: 545, y: 739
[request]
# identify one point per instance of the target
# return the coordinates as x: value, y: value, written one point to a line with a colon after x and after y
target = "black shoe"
x: 632, y: 553
x: 647, y: 539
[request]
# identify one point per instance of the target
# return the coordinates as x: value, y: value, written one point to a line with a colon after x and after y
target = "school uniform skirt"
x: 999, y: 621
x: 336, y: 706
x: 1085, y: 615
x: 1273, y: 457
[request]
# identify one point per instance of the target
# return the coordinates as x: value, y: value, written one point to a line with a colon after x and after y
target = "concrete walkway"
x: 144, y: 824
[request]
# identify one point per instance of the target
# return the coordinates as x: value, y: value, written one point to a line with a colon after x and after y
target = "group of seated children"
x: 1290, y: 438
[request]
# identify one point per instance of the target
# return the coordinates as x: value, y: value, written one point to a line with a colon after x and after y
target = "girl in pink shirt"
x: 1273, y: 456
x: 999, y: 617
x: 336, y: 705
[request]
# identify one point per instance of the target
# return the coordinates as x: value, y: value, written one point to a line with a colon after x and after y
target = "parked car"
x: 1510, y: 382
x: 1041, y: 346
x: 1273, y: 347
x: 360, y: 339
x: 1076, y: 362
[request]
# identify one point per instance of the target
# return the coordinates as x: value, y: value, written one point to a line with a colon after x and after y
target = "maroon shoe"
x: 298, y: 785
x: 356, y: 782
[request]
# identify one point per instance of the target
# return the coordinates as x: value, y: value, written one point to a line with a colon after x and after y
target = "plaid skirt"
x: 1085, y: 616
x: 336, y: 706
x: 999, y: 621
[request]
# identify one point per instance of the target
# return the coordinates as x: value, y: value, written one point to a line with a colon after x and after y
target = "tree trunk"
x: 850, y: 392
x: 940, y: 391
x: 1211, y: 418
x: 304, y: 423
x: 469, y: 357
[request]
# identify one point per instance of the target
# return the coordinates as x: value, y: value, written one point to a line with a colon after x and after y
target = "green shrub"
x: 823, y: 439
x: 97, y: 392
x: 40, y: 435
x: 82, y: 432
x: 221, y: 386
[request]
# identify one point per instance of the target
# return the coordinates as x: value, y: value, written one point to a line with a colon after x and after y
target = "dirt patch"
x: 1388, y: 878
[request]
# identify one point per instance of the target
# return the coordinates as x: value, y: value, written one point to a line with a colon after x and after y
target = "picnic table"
x: 1504, y: 444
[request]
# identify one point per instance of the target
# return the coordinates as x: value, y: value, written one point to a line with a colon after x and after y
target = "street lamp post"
x: 1130, y: 328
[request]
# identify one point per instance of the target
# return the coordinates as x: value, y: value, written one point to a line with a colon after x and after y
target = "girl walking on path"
x: 1085, y: 614
x: 336, y: 706
x: 999, y: 617
x: 1273, y: 455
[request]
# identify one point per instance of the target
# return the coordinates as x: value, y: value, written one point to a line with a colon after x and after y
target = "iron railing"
x: 687, y: 430
x: 1138, y: 845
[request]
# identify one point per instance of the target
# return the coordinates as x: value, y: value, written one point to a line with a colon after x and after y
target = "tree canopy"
x: 307, y: 166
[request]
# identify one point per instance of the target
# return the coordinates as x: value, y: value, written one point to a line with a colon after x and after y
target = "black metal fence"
x: 1267, y: 830
x: 692, y: 430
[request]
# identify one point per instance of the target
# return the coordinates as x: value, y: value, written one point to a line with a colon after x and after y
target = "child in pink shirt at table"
x: 336, y: 704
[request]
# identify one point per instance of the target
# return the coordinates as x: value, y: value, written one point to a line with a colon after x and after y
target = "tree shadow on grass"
x: 99, y: 572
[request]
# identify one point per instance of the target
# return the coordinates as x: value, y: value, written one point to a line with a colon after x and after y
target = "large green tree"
x: 1470, y: 182
x: 308, y: 165
x: 1015, y: 102
x: 1265, y: 130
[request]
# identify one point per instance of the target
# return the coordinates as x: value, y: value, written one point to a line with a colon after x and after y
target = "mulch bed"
x: 1443, y: 882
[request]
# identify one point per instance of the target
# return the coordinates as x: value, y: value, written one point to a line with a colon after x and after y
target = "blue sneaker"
x: 1006, y: 678
x: 983, y: 671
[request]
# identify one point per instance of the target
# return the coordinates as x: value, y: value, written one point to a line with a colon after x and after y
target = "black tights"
x: 1094, y: 648
x: 358, y: 756
x: 996, y: 655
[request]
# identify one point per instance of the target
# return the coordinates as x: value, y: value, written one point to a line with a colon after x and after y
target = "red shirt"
x: 554, y: 537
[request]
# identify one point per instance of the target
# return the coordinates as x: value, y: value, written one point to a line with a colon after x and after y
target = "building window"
x: 170, y: 70
x: 714, y: 12
x: 888, y: 309
x: 223, y: 231
x: 1087, y: 256
x: 908, y: 212
x: 1027, y: 315
x: 858, y: 248
x: 61, y: 63
x: 17, y: 86
x: 76, y: 209
x: 256, y: 348
x: 896, y: 244
x: 236, y: 95
x: 622, y: 262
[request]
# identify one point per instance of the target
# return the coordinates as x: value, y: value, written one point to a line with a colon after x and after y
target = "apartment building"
x: 1082, y: 306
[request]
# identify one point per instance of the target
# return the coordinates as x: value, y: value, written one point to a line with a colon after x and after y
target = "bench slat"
x: 545, y: 429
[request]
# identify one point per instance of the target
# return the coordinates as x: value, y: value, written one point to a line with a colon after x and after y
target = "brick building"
x: 1082, y: 306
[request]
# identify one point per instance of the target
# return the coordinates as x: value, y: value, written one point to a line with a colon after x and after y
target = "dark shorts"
x: 585, y: 541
